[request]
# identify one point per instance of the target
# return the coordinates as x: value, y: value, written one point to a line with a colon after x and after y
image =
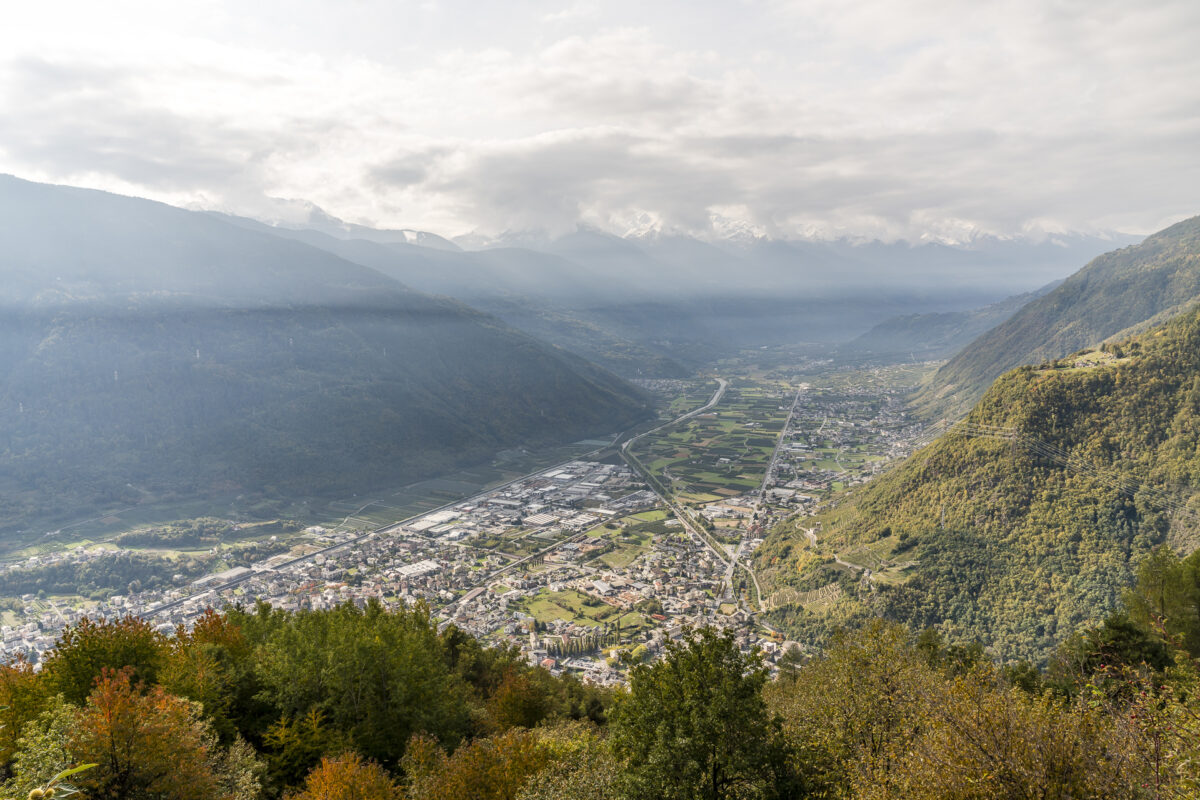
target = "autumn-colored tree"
x: 148, y: 745
x: 347, y: 777
x: 845, y: 712
x: 518, y: 701
x: 22, y: 698
x: 980, y: 739
x: 1156, y: 722
x: 485, y: 769
x: 89, y: 647
x: 213, y: 628
x: 212, y: 664
x: 582, y: 766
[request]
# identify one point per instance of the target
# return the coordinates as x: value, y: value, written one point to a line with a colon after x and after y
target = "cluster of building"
x: 478, y: 564
x: 38, y: 630
x: 846, y: 420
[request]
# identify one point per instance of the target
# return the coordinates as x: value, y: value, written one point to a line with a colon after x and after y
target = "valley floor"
x: 587, y: 566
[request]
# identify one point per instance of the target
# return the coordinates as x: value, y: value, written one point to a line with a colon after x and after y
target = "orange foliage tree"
x: 147, y: 746
x: 347, y: 777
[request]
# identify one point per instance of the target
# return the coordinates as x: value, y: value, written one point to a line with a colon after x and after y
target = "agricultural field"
x: 848, y: 426
x: 628, y: 537
x: 570, y: 605
x: 724, y: 452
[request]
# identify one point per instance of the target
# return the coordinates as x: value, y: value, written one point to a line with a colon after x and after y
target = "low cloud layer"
x: 875, y: 118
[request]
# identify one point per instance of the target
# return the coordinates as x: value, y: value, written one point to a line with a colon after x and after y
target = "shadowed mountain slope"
x: 150, y: 352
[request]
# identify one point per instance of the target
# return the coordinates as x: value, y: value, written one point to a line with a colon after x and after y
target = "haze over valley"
x: 601, y: 402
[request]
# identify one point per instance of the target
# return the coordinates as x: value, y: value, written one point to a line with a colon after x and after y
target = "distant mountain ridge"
x: 1114, y: 293
x: 151, y: 351
x: 662, y: 305
x: 937, y: 335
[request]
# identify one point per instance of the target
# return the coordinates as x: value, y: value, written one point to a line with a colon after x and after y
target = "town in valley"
x: 587, y: 566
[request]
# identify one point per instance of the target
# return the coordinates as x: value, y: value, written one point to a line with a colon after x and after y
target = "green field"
x: 573, y: 606
x: 727, y: 449
x: 629, y: 537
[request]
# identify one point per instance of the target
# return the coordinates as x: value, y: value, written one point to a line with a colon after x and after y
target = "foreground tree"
x: 89, y: 648
x: 22, y: 699
x: 494, y: 768
x: 151, y: 746
x: 212, y: 664
x: 847, y: 712
x: 694, y: 725
x: 582, y: 766
x: 1166, y: 597
x: 980, y: 739
x: 348, y: 777
x: 41, y: 751
x: 376, y: 676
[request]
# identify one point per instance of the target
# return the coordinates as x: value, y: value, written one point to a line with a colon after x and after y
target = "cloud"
x: 874, y: 118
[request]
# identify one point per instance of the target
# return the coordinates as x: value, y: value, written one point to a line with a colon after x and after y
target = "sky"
x: 913, y: 119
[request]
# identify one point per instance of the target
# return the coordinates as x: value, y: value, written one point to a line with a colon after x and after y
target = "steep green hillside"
x: 148, y: 352
x: 1025, y: 521
x: 1113, y: 293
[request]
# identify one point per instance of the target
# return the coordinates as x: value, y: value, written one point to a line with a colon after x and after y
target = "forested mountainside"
x: 1114, y: 294
x: 1025, y: 521
x: 149, y: 352
x: 936, y: 335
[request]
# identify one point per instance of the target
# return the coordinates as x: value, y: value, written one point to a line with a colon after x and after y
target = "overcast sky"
x: 882, y: 118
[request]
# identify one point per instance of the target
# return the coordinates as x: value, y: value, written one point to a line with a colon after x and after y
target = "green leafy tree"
x: 1167, y: 596
x: 695, y: 725
x: 213, y: 664
x: 376, y: 676
x: 42, y: 749
x: 87, y: 649
x: 296, y: 745
x: 22, y: 698
x: 240, y: 772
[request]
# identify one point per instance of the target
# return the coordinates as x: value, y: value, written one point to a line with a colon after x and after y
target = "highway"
x: 722, y: 385
x: 762, y: 493
x: 680, y: 513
